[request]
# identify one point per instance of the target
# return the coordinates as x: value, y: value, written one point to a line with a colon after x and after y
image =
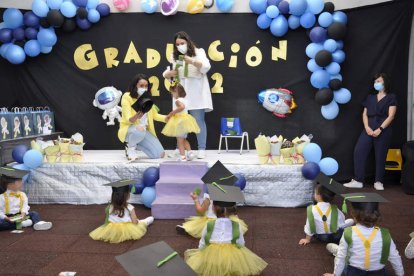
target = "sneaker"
x: 354, y: 184
x: 42, y: 225
x: 180, y: 230
x: 27, y: 223
x: 131, y: 153
x: 190, y: 155
x: 201, y: 154
x: 148, y: 220
x: 174, y: 154
x: 183, y: 159
x: 332, y: 248
x: 409, y: 250
x: 348, y: 222
x: 379, y: 186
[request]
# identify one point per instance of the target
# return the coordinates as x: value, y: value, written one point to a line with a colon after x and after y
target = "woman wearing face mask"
x: 190, y: 66
x: 379, y: 112
x: 135, y: 128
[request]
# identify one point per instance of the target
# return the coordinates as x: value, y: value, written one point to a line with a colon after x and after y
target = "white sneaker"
x: 332, y: 248
x: 379, y: 186
x: 348, y: 222
x: 190, y: 155
x: 354, y: 184
x: 148, y: 220
x: 27, y: 223
x: 409, y: 250
x: 201, y: 154
x: 182, y: 158
x: 131, y: 153
x: 173, y: 154
x: 42, y: 225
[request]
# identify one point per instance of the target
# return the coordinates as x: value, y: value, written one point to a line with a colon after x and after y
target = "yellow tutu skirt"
x: 224, y: 259
x: 195, y: 225
x: 119, y: 232
x: 179, y: 125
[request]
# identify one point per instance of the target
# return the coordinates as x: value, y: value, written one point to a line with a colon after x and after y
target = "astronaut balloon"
x: 278, y: 101
x: 107, y: 99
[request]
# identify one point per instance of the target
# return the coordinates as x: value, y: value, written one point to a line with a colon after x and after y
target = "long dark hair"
x: 190, y: 45
x: 119, y: 202
x: 366, y: 218
x: 386, y: 82
x: 132, y: 88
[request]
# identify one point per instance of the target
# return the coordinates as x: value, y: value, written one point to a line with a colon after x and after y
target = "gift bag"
x: 37, y: 121
x: 65, y: 156
x: 16, y: 123
x: 27, y: 121
x: 76, y: 152
x: 48, y: 119
x: 5, y: 124
x: 52, y: 153
x: 275, y: 152
x: 263, y: 148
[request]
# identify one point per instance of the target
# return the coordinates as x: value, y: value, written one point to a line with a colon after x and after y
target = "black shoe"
x: 180, y: 230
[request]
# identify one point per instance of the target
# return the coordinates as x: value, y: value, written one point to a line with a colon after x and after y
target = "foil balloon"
x: 107, y: 99
x: 169, y: 7
x: 195, y: 6
x: 121, y: 5
x: 278, y: 101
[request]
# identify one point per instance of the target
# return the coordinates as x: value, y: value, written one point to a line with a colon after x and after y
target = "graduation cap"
x: 12, y: 173
x: 329, y: 184
x: 154, y: 259
x: 225, y: 196
x: 120, y: 185
x: 143, y: 104
x: 363, y: 201
x: 219, y: 174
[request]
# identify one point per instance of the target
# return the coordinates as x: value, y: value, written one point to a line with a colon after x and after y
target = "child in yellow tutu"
x: 121, y: 222
x: 221, y: 249
x: 179, y: 122
x: 194, y: 225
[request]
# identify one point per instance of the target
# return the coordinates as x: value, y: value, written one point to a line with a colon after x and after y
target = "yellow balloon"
x: 195, y: 6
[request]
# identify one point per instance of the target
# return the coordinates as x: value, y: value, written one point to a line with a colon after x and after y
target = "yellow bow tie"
x: 15, y: 194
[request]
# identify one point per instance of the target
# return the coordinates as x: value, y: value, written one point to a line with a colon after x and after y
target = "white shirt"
x: 222, y: 233
x: 144, y: 120
x: 357, y: 253
x: 184, y: 101
x: 14, y: 204
x: 196, y: 85
x: 318, y: 219
x: 125, y: 218
x: 210, y: 212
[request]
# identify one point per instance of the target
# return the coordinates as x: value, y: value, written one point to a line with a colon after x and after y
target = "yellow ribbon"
x: 366, y: 242
x: 325, y: 224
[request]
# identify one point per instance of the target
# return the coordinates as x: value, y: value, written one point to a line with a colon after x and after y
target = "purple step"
x: 173, y: 207
x: 177, y: 186
x: 183, y: 169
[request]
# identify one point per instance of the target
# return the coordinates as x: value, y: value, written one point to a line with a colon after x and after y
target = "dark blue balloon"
x: 83, y: 24
x: 80, y: 3
x: 18, y: 34
x: 318, y: 34
x: 137, y: 188
x: 30, y: 33
x: 6, y: 35
x: 310, y: 170
x: 30, y: 19
x: 241, y: 181
x: 18, y: 153
x: 273, y: 2
x: 283, y: 7
x: 151, y: 176
x: 103, y: 9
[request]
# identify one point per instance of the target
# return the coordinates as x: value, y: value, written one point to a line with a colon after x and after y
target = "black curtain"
x: 377, y: 41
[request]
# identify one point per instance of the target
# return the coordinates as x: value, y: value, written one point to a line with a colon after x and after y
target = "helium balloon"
x: 312, y: 152
x: 148, y: 196
x: 33, y: 159
x: 18, y: 34
x: 18, y: 153
x: 55, y: 18
x: 272, y: 11
x: 241, y: 181
x: 310, y: 170
x: 315, y: 6
x: 15, y: 54
x: 279, y: 26
x: 169, y: 7
x: 335, y: 84
x: 330, y: 111
x: 32, y: 48
x: 307, y: 20
x: 333, y: 68
x: 320, y: 79
x: 12, y: 18
x: 258, y: 6
x: 329, y: 7
x: 312, y: 66
x: 312, y: 49
x: 325, y: 19
x: 294, y: 22
x: 342, y: 96
x: 40, y: 8
x: 330, y: 45
x: 30, y: 19
x: 137, y: 188
x: 283, y: 7
x: 273, y: 2
x: 224, y: 5
x: 68, y: 9
x: 92, y: 4
x: 80, y: 3
x: 323, y: 58
x: 93, y: 16
x: 340, y: 17
x: 318, y: 34
x: 328, y: 166
x: 47, y: 37
x: 3, y: 49
x: 324, y: 96
x: 149, y: 6
x: 297, y: 7
x: 103, y: 9
x: 338, y: 56
x: 83, y: 24
x: 30, y: 33
x: 263, y: 21
x: 151, y: 176
x: 337, y: 31
x: 6, y: 35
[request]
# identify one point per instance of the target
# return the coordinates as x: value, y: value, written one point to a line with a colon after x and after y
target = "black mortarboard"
x: 363, y: 201
x: 12, y: 173
x: 329, y: 183
x: 143, y: 104
x: 120, y: 185
x: 225, y: 196
x: 219, y: 174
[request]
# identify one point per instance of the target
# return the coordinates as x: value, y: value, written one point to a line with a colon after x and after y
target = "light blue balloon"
x: 54, y: 4
x: 307, y: 20
x: 328, y: 166
x: 315, y: 6
x: 333, y: 68
x: 312, y: 49
x: 340, y: 45
x: 294, y: 22
x: 330, y: 111
x: 40, y: 8
x: 258, y: 6
x: 263, y: 21
x: 340, y: 17
x: 68, y: 9
x: 92, y: 4
x: 149, y: 6
x: 148, y: 196
x: 93, y: 16
x: 32, y: 48
x: 325, y: 19
x: 330, y: 45
x: 12, y: 18
x: 3, y: 49
x: 272, y: 11
x: 2, y: 25
x: 297, y: 7
x: 279, y: 26
x: 33, y: 159
x: 338, y: 56
x: 224, y: 5
x: 45, y: 50
x: 338, y: 76
x: 312, y: 66
x: 342, y: 96
x: 312, y: 152
x: 320, y: 79
x: 47, y: 37
x: 15, y: 54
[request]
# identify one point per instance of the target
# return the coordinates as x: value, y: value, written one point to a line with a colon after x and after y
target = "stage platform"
x: 81, y: 183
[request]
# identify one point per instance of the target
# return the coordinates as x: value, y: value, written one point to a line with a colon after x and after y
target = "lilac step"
x: 183, y: 169
x: 177, y: 186
x: 173, y: 207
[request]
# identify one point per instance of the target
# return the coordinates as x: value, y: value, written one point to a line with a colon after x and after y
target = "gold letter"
x: 153, y: 58
x: 280, y: 52
x: 255, y: 53
x: 217, y: 88
x: 213, y: 53
x: 85, y: 58
x: 235, y: 48
x: 110, y: 57
x: 169, y: 52
x: 155, y: 84
x: 132, y: 54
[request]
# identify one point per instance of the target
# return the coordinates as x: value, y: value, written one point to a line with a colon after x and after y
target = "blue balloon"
x: 340, y: 17
x: 318, y: 34
x: 316, y: 6
x: 32, y: 48
x: 45, y: 50
x: 92, y: 4
x: 258, y: 6
x: 33, y: 159
x: 307, y: 20
x: 54, y: 4
x: 12, y: 18
x: 338, y: 76
x: 312, y: 152
x: 23, y: 168
x: 137, y: 188
x: 294, y: 22
x: 68, y: 9
x: 15, y: 54
x: 325, y: 19
x: 330, y: 111
x: 224, y: 5
x: 103, y: 9
x: 333, y: 68
x: 18, y: 34
x: 151, y: 176
x: 80, y: 3
x: 320, y: 79
x: 310, y: 170
x: 6, y: 35
x: 148, y: 196
x: 340, y: 45
x: 93, y: 16
x: 329, y: 166
x: 148, y: 6
x: 263, y: 21
x: 342, y: 96
x: 47, y: 37
x: 3, y: 49
x: 312, y: 49
x: 312, y: 66
x: 297, y: 7
x: 273, y: 2
x: 2, y: 25
x: 30, y: 33
x: 283, y: 7
x: 30, y: 19
x: 330, y: 45
x: 279, y: 26
x: 40, y: 8
x: 83, y: 24
x: 272, y: 11
x: 18, y: 153
x: 241, y: 181
x: 338, y: 56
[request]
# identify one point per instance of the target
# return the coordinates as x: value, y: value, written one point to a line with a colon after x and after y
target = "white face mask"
x: 182, y: 48
x: 141, y: 90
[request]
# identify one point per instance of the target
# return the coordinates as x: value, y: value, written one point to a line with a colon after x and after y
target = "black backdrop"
x: 377, y: 41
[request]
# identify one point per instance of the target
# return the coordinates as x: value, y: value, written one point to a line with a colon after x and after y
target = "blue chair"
x: 231, y: 128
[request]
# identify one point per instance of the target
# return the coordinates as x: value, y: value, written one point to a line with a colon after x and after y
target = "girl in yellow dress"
x: 121, y: 222
x: 179, y: 122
